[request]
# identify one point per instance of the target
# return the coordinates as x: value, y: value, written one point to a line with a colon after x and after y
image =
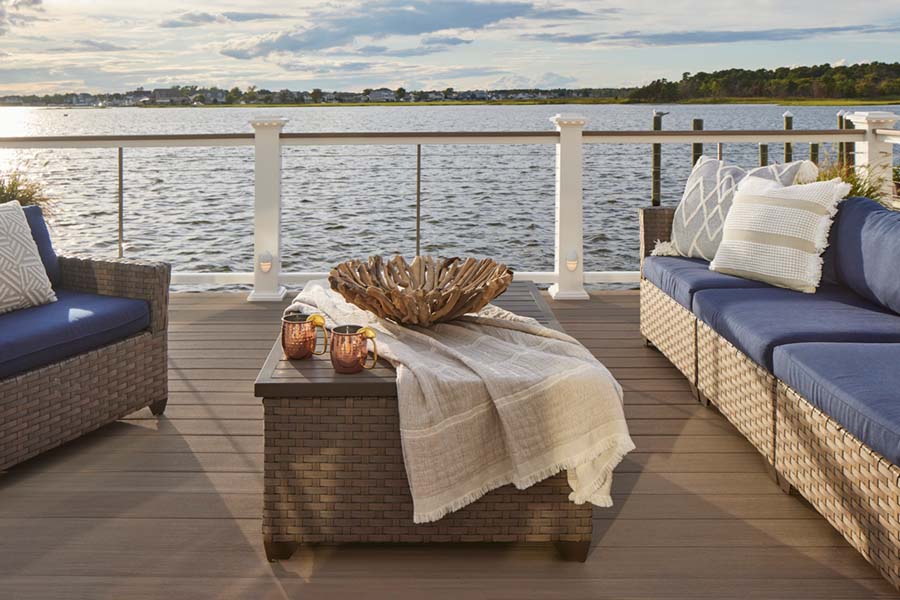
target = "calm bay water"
x: 193, y: 207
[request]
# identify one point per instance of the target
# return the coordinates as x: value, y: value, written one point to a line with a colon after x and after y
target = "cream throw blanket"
x: 492, y: 399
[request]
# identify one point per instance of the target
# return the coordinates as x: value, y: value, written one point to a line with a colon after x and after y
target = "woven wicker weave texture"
x: 671, y: 328
x: 334, y: 473
x: 856, y: 489
x: 743, y: 391
x: 51, y: 405
x: 655, y: 225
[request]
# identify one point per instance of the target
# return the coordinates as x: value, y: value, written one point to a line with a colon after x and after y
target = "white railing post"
x: 267, y: 210
x: 874, y: 156
x: 569, y: 263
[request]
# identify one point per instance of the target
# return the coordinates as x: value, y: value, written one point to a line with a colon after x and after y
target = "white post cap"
x: 869, y: 119
x: 266, y: 121
x: 787, y: 113
x: 568, y: 120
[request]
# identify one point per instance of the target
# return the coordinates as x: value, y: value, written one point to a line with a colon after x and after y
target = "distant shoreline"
x: 552, y: 101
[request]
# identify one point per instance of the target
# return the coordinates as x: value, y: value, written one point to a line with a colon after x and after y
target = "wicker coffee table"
x: 334, y: 468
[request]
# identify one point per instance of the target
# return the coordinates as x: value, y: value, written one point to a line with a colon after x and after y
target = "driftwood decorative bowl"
x: 427, y: 291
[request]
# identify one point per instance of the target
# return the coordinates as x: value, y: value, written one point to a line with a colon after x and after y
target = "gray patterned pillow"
x: 700, y: 216
x: 23, y: 279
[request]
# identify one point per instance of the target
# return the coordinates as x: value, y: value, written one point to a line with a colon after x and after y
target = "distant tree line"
x: 869, y: 80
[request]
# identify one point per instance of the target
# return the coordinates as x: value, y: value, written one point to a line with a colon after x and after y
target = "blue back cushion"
x: 42, y: 238
x: 866, y: 241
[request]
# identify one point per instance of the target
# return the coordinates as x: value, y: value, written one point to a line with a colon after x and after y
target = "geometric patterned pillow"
x: 23, y: 279
x: 700, y: 216
x: 777, y: 234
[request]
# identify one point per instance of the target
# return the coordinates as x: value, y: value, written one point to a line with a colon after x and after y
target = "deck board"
x: 148, y: 509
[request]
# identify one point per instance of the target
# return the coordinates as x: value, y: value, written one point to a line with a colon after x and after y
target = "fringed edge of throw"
x: 621, y: 441
x: 461, y: 502
x: 606, y: 500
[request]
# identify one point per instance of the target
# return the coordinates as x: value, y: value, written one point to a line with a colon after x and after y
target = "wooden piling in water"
x: 656, y: 160
x: 696, y: 147
x: 788, y: 147
x: 763, y: 155
x: 841, y: 157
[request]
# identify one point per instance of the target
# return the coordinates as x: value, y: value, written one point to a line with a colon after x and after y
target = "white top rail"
x: 455, y: 137
x: 890, y: 136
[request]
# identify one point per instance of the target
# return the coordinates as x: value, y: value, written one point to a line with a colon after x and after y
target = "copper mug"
x: 299, y: 335
x: 350, y: 348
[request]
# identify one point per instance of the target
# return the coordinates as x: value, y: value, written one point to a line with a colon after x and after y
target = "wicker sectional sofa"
x: 95, y: 355
x: 812, y: 380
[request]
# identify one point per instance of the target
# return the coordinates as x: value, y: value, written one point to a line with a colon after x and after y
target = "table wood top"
x: 314, y: 377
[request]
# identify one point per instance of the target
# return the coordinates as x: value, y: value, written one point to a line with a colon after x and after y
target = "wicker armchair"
x: 50, y: 405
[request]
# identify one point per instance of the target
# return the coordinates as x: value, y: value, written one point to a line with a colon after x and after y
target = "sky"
x: 116, y: 45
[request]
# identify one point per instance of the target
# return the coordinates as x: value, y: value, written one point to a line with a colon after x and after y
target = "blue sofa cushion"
x: 681, y: 277
x: 75, y: 323
x: 866, y: 242
x: 41, y: 236
x: 757, y: 321
x: 855, y: 384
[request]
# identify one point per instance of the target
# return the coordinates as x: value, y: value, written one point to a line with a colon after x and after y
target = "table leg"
x: 279, y: 550
x: 573, y: 551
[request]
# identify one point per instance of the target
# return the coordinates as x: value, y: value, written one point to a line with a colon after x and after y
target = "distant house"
x: 82, y: 99
x: 382, y: 95
x: 213, y: 96
x: 169, y: 96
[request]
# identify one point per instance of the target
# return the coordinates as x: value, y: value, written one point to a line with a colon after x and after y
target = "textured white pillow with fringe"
x: 777, y: 234
x: 700, y: 216
x: 23, y: 279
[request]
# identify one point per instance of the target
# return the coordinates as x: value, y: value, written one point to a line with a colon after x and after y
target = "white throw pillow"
x: 23, y: 278
x: 699, y: 217
x: 777, y: 234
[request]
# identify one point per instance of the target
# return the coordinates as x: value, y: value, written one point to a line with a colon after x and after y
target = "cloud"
x: 561, y: 38
x: 240, y: 17
x: 545, y: 81
x: 724, y: 36
x: 195, y: 18
x: 91, y: 46
x: 12, y: 15
x: 572, y: 13
x: 444, y: 40
x: 704, y: 36
x: 383, y: 18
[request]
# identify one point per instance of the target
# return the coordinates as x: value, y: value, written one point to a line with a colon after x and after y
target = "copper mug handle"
x: 369, y: 334
x: 318, y: 321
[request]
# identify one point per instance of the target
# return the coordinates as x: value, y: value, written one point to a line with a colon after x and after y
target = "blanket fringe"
x: 621, y: 441
x: 461, y: 502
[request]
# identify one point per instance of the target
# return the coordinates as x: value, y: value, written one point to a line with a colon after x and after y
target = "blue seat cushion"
x: 855, y: 384
x: 75, y: 323
x: 41, y: 235
x: 681, y: 278
x: 757, y: 321
x: 866, y: 241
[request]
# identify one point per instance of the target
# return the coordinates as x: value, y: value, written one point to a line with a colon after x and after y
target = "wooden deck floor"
x: 171, y: 508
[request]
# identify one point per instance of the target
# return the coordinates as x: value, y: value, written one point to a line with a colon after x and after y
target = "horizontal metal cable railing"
x: 272, y: 147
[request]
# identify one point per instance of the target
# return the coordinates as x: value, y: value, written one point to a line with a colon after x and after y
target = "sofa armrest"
x: 125, y: 278
x: 656, y: 225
